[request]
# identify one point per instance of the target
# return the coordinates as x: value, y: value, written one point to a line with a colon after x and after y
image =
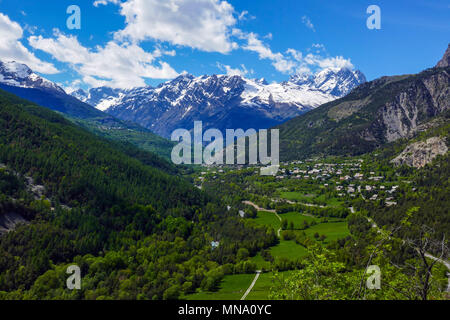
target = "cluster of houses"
x: 347, y: 177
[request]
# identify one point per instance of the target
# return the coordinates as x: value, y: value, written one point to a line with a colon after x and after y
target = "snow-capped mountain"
x: 102, y: 98
x: 19, y: 75
x: 220, y: 101
x: 20, y: 80
x: 336, y: 82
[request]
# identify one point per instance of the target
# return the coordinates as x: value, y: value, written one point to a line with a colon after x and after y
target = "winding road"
x: 258, y: 272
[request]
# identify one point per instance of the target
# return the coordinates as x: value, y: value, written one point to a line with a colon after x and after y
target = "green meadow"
x: 298, y: 219
x: 262, y: 287
x: 289, y: 250
x: 268, y: 219
x: 333, y: 230
x: 232, y: 287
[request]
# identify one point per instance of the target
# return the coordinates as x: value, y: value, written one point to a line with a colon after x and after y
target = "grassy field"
x: 232, y: 287
x: 297, y: 219
x: 268, y: 219
x: 260, y: 262
x: 262, y: 287
x: 333, y: 230
x: 288, y: 249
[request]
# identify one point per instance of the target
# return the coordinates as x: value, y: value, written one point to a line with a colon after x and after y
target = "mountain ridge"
x: 20, y: 80
x: 376, y: 113
x: 221, y: 101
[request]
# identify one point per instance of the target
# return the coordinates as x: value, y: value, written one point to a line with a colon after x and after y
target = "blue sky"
x: 125, y: 43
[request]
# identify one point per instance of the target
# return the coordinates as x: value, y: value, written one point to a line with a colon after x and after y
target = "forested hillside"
x: 428, y: 201
x: 32, y: 87
x: 135, y: 229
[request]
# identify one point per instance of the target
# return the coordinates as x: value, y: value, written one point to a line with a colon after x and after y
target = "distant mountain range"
x: 374, y: 114
x: 220, y: 101
x: 20, y: 80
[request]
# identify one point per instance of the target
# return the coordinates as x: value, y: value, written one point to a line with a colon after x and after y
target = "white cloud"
x: 264, y: 52
x: 244, y: 15
x: 234, y: 71
x: 293, y: 61
x: 307, y: 22
x: 297, y: 55
x: 12, y: 49
x: 115, y: 65
x: 72, y: 86
x: 318, y: 46
x: 338, y: 62
x: 105, y: 2
x: 316, y: 61
x: 199, y: 24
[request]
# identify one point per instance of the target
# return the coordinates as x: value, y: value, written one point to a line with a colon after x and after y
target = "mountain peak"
x: 18, y: 69
x: 445, y: 61
x: 20, y: 75
x: 262, y: 81
x: 338, y: 82
x: 183, y: 77
x: 80, y: 94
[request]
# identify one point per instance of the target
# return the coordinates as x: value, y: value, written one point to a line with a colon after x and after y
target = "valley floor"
x: 307, y: 200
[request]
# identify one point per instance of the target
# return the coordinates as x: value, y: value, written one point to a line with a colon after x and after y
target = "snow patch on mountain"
x: 19, y: 75
x: 222, y: 100
x: 256, y: 94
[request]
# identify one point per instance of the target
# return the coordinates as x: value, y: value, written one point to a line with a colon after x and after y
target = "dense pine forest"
x: 136, y: 229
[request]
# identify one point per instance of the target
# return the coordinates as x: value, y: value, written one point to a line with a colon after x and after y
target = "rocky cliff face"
x: 445, y: 61
x: 9, y: 221
x: 420, y: 101
x: 421, y: 153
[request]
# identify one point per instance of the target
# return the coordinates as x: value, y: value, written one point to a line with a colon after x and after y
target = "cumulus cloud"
x: 297, y: 55
x: 338, y: 62
x: 116, y: 65
x: 105, y: 2
x: 316, y: 62
x: 199, y: 24
x: 234, y: 71
x: 207, y: 25
x: 11, y: 47
x: 253, y: 43
x: 293, y: 61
